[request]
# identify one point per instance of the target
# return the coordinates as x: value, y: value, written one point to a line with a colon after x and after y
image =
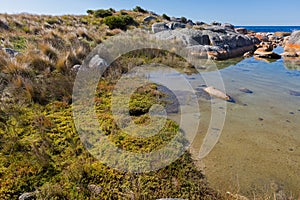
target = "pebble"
x: 261, y: 119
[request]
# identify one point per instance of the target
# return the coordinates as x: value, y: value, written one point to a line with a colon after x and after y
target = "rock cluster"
x: 217, y: 42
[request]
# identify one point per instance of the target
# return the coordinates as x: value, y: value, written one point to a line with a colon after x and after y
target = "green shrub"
x: 120, y: 22
x: 183, y: 20
x: 102, y: 13
x: 139, y: 9
x: 166, y: 17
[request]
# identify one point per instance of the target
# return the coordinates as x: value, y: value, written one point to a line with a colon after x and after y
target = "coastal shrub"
x: 120, y: 22
x: 19, y: 43
x: 164, y: 16
x: 139, y: 9
x: 102, y: 13
x: 183, y: 20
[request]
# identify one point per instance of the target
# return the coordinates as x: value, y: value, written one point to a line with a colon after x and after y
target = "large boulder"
x: 149, y: 18
x: 158, y: 27
x: 219, y: 43
x: 292, y: 50
x: 293, y: 44
x: 176, y: 25
x: 228, y: 26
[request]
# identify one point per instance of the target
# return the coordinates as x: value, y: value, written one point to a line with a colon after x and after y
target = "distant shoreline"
x: 270, y: 28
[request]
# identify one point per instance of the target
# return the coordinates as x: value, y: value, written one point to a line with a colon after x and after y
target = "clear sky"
x: 238, y: 12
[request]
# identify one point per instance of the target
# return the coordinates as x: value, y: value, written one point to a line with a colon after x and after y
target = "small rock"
x: 261, y: 119
x: 76, y: 68
x: 200, y: 23
x: 12, y: 53
x: 96, y: 61
x: 282, y: 34
x: 95, y: 189
x: 149, y: 18
x: 294, y: 93
x: 27, y: 196
x: 228, y: 26
x: 241, y: 30
x: 246, y: 90
x: 248, y: 54
x: 216, y: 23
x: 4, y: 24
x: 262, y: 53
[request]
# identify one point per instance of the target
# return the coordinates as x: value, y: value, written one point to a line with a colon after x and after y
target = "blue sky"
x: 238, y: 12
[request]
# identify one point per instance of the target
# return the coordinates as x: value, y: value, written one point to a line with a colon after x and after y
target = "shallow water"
x: 259, y: 148
x: 258, y: 151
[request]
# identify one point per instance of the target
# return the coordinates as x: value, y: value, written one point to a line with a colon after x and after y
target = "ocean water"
x: 271, y: 28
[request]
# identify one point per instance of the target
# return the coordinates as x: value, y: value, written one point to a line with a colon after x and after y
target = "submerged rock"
x: 217, y: 93
x: 246, y: 90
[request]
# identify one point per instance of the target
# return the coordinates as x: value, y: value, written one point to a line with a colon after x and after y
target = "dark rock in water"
x: 202, y: 94
x: 294, y: 93
x: 231, y: 100
x: 158, y: 27
x: 246, y: 90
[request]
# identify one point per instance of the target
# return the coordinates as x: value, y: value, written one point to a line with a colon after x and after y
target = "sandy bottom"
x: 258, y: 152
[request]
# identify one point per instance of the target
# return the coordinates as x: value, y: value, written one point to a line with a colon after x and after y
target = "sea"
x: 271, y: 29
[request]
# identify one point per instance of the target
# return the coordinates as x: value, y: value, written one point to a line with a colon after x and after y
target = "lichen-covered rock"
x: 293, y: 44
x: 219, y: 43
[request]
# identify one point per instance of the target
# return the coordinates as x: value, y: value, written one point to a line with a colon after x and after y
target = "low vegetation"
x: 40, y: 150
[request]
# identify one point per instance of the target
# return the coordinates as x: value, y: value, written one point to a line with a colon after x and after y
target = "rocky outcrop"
x: 291, y: 53
x: 176, y: 25
x: 228, y: 26
x: 216, y: 42
x: 4, y: 24
x: 149, y: 18
x: 241, y: 30
x: 158, y: 27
